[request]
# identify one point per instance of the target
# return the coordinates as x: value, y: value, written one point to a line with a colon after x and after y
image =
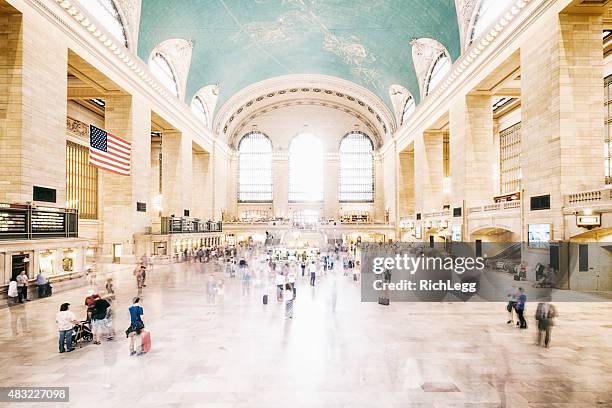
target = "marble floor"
x: 240, y: 353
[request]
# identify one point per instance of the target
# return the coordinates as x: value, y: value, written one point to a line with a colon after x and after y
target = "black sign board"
x: 141, y: 207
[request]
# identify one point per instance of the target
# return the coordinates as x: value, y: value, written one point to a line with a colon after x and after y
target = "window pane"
x: 161, y: 69
x: 306, y: 169
x: 106, y: 13
x: 197, y: 107
x: 441, y: 67
x: 255, y: 168
x: 409, y: 107
x: 81, y: 181
x: 356, y: 168
x: 608, y: 128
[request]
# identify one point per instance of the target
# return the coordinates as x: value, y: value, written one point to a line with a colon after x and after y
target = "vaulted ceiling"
x: 240, y: 42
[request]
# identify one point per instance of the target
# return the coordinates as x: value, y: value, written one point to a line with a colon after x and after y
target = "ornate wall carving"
x: 77, y: 128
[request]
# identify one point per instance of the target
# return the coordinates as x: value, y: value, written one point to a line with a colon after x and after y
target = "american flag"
x: 109, y: 152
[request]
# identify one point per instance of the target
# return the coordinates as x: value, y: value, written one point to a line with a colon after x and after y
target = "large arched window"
x: 197, y: 107
x: 255, y: 168
x: 440, y: 67
x: 488, y: 13
x: 162, y: 70
x: 306, y: 168
x: 409, y: 108
x: 356, y: 168
x: 107, y: 14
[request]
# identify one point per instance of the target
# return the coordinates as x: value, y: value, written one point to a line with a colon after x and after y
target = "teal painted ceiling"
x: 239, y: 42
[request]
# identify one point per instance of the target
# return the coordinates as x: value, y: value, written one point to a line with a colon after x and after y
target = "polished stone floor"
x: 240, y: 353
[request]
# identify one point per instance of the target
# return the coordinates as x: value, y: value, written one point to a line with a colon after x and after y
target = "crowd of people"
x: 257, y: 269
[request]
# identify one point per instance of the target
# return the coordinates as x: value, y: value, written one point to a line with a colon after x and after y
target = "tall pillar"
x: 428, y: 171
x: 406, y: 183
x: 472, y: 155
x: 280, y: 178
x: 33, y: 108
x: 127, y: 117
x: 177, y: 173
x: 561, y: 112
x: 331, y: 186
x: 379, y: 192
x: 201, y: 185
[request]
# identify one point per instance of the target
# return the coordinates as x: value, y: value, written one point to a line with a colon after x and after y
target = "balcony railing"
x: 436, y: 214
x: 508, y: 205
x: 592, y: 197
x: 22, y: 221
x: 184, y: 225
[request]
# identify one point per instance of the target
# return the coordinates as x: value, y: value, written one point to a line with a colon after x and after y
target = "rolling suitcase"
x: 265, y: 299
x: 146, y: 341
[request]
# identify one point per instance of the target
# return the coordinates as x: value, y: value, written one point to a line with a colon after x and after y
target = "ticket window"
x: 21, y: 262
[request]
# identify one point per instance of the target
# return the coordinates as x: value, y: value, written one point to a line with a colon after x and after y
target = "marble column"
x: 428, y: 172
x: 406, y: 183
x: 127, y: 117
x: 280, y: 179
x: 562, y: 114
x: 177, y: 173
x: 472, y: 155
x: 33, y: 107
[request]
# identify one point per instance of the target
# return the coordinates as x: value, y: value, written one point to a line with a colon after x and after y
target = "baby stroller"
x: 82, y: 333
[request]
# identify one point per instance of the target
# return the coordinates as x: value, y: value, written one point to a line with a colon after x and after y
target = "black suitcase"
x: 265, y: 299
x: 383, y: 301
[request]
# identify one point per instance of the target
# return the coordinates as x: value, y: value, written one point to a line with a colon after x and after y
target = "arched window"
x: 306, y: 168
x: 107, y: 14
x: 162, y: 70
x: 440, y: 67
x: 488, y: 13
x: 356, y: 168
x: 197, y: 107
x: 255, y: 168
x: 409, y: 107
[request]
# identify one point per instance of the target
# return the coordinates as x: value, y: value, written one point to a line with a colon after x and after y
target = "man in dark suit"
x: 545, y: 315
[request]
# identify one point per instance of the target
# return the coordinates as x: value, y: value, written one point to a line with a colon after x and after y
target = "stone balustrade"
x: 591, y: 197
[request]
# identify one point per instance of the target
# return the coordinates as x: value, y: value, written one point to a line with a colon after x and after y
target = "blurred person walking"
x: 289, y: 297
x: 545, y: 316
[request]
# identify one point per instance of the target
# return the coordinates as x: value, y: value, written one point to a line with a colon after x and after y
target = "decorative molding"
x: 77, y: 128
x: 399, y: 95
x: 178, y: 53
x: 307, y: 86
x: 209, y: 95
x: 425, y: 51
x: 237, y: 134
